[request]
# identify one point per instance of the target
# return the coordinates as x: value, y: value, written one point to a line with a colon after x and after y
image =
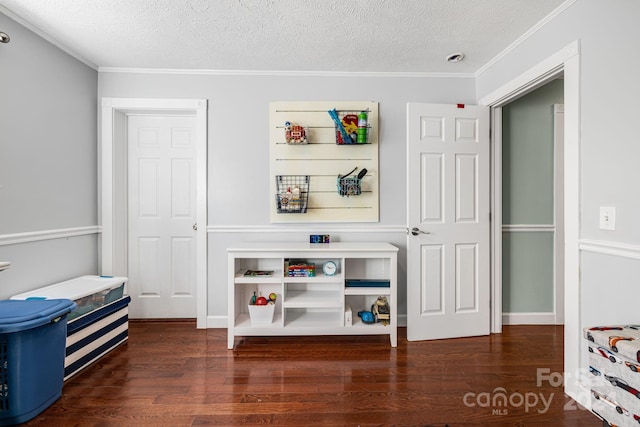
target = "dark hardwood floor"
x: 171, y: 374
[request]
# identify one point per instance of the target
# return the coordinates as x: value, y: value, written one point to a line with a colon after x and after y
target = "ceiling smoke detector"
x: 455, y: 57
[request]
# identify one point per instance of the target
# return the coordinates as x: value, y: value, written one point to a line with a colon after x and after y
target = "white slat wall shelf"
x: 322, y: 159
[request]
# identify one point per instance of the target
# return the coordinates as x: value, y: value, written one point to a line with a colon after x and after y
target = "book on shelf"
x: 258, y: 273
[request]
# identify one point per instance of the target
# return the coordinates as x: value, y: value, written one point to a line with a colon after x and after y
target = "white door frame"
x: 566, y: 62
x: 558, y: 213
x: 112, y: 184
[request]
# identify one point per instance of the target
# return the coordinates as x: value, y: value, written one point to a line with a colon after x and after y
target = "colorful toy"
x: 366, y: 316
x: 350, y: 124
x: 295, y: 134
x: 380, y: 310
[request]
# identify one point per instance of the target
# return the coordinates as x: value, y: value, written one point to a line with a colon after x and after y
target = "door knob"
x: 195, y: 226
x: 415, y: 231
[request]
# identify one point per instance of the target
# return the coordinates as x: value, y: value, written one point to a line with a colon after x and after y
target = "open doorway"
x: 564, y: 62
x: 532, y: 207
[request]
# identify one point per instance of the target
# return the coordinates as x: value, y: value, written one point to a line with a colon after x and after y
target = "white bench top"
x: 75, y: 288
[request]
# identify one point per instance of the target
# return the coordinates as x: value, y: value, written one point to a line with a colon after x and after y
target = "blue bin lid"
x: 16, y: 315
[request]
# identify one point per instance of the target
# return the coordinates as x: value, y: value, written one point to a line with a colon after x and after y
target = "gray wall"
x: 527, y: 199
x: 239, y: 150
x: 48, y: 179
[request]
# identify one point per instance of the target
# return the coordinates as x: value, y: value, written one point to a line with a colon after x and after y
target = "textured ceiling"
x: 405, y: 36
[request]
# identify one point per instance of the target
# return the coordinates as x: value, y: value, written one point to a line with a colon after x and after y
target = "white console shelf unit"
x: 312, y: 305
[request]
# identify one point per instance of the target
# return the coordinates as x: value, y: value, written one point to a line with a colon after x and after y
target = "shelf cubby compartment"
x: 243, y: 321
x: 313, y: 299
x: 312, y: 295
x: 319, y: 273
x: 241, y: 266
x: 245, y: 287
x: 318, y: 318
x: 363, y: 302
x: 368, y: 268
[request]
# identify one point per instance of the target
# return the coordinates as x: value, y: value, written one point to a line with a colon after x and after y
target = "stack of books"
x: 301, y: 270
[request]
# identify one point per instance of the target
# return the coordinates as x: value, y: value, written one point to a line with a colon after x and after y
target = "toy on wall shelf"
x: 295, y: 134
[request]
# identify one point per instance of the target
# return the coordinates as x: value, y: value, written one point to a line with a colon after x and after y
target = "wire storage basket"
x: 349, y: 186
x: 292, y: 193
x: 352, y: 123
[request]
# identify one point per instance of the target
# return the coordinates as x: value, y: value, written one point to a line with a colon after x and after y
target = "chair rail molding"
x: 306, y: 229
x: 528, y: 228
x: 625, y: 250
x: 36, y: 236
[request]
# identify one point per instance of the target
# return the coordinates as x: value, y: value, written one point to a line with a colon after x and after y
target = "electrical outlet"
x: 607, y: 218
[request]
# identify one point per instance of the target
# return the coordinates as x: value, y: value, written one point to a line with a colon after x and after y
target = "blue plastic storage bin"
x: 32, y: 350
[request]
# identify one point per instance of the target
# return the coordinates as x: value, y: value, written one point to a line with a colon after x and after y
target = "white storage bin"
x: 261, y: 314
x: 88, y: 292
x: 100, y: 321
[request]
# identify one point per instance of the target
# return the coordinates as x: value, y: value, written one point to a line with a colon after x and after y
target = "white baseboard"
x: 528, y: 319
x: 215, y: 322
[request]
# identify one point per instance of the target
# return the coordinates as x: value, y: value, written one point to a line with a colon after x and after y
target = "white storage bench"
x: 100, y: 321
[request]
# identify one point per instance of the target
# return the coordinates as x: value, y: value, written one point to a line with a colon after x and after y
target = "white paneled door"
x: 162, y: 216
x: 448, y: 217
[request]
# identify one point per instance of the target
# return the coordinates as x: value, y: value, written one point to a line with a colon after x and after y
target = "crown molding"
x: 47, y: 37
x: 359, y: 74
x: 550, y: 17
